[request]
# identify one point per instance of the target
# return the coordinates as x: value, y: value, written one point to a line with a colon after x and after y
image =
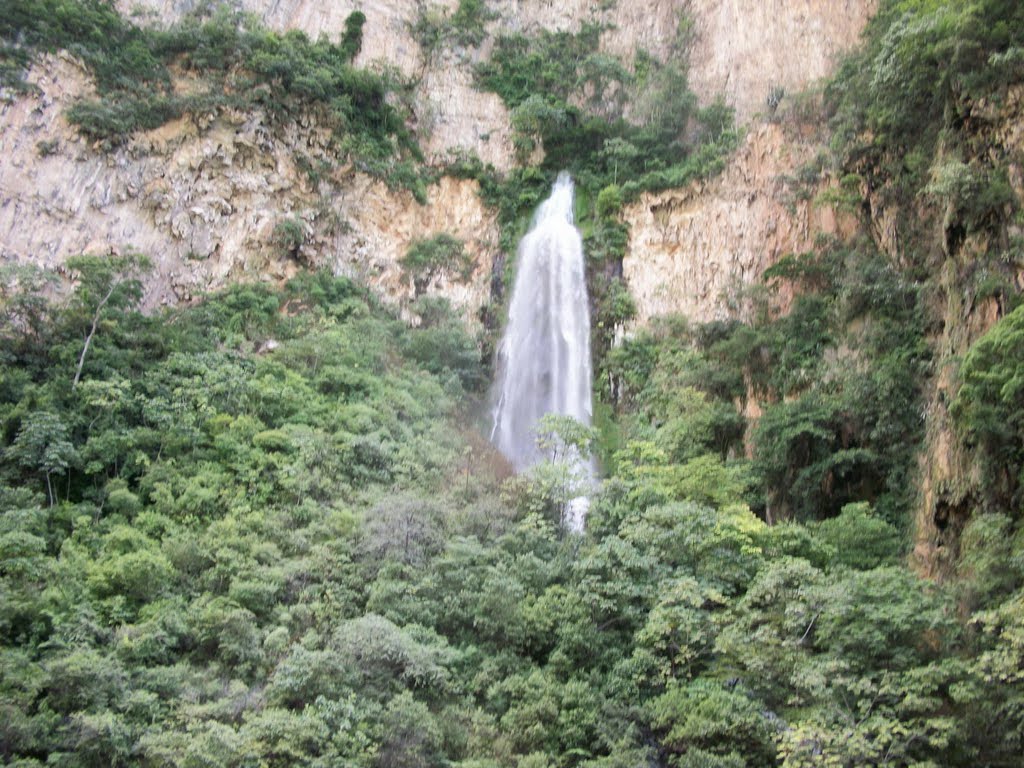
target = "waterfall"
x: 544, y: 357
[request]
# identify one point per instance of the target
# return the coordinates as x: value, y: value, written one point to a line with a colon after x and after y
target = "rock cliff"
x: 949, y: 473
x: 746, y: 49
x: 204, y: 201
x: 690, y: 248
x: 739, y: 49
x: 203, y: 198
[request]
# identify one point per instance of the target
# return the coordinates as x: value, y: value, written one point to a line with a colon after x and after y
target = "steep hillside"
x: 263, y: 527
x: 203, y: 195
x: 232, y: 194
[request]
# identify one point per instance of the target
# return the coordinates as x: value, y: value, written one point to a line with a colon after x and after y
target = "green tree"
x: 104, y: 285
x: 430, y: 257
x: 989, y: 407
x: 619, y: 153
x: 352, y: 40
x: 43, y: 445
x: 707, y: 724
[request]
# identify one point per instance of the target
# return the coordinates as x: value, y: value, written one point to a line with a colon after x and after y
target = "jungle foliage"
x: 430, y: 257
x: 838, y: 377
x: 261, y: 530
x: 252, y: 534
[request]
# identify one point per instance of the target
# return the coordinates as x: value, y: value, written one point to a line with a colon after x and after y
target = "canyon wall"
x: 746, y: 49
x: 738, y: 49
x: 690, y: 249
x: 203, y: 198
x: 949, y: 474
x: 205, y: 201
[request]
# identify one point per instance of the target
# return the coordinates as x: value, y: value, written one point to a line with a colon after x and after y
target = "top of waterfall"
x: 560, y: 204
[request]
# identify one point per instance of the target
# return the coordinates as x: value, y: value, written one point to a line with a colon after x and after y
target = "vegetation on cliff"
x: 260, y: 531
x: 572, y: 100
x: 229, y: 62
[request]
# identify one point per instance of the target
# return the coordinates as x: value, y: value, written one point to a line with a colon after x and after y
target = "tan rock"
x: 689, y: 248
x: 204, y: 204
x: 744, y: 48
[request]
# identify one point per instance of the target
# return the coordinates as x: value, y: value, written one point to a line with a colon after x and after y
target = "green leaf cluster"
x: 429, y: 257
x: 989, y: 408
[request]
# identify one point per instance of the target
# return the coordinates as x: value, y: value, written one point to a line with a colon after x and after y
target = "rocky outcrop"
x: 949, y: 475
x: 739, y: 49
x: 204, y: 197
x: 690, y: 248
x: 386, y: 35
x: 745, y: 49
x: 382, y: 225
x: 206, y: 201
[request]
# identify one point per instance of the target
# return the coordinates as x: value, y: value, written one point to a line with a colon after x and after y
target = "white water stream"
x: 544, y: 357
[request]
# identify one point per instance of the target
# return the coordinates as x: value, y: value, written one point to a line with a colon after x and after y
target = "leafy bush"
x: 990, y: 404
x: 352, y: 40
x: 442, y: 345
x: 430, y: 257
x: 521, y: 67
x: 859, y: 539
x: 465, y: 26
x: 289, y: 235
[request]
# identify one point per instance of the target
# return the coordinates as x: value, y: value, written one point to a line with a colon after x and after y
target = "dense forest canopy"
x: 264, y: 530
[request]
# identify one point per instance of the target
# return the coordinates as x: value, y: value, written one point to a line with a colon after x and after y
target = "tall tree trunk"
x: 92, y: 332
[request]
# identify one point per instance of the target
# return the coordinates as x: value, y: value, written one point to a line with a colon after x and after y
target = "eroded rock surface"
x: 690, y: 248
x: 203, y: 202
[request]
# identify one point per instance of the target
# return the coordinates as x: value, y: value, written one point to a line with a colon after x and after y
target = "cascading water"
x: 544, y: 357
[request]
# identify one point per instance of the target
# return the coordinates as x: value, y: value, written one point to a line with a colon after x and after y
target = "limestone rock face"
x: 950, y: 477
x: 690, y: 247
x: 740, y: 49
x: 744, y: 48
x: 204, y: 203
x: 449, y: 113
x: 203, y: 197
x: 383, y: 224
x: 452, y: 116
